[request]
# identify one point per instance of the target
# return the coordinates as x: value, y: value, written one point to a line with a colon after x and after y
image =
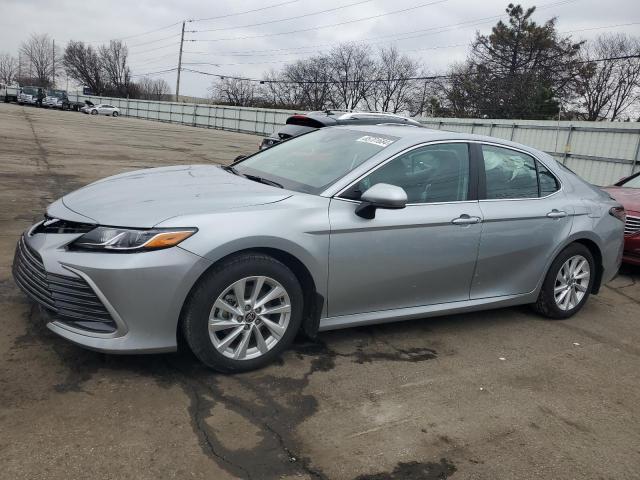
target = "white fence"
x: 600, y: 152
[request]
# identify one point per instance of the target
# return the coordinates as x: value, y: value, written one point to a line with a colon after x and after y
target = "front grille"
x: 55, y: 225
x: 69, y: 299
x: 632, y: 225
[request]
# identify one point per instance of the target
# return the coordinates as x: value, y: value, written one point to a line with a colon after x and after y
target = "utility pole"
x: 53, y: 71
x: 179, y: 64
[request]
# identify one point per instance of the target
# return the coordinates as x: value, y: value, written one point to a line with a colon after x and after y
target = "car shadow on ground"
x: 276, y: 399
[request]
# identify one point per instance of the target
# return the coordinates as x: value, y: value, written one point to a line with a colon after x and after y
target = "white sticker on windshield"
x: 380, y: 141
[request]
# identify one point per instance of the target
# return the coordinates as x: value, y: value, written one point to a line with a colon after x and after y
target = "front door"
x: 420, y: 255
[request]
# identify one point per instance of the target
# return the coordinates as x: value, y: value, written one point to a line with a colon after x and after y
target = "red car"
x: 627, y: 192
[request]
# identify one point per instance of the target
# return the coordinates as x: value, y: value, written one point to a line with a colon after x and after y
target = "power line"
x: 437, y: 47
x: 601, y: 28
x: 393, y: 12
x: 153, y: 41
x: 243, y: 13
x: 375, y: 80
x: 137, y: 34
x: 430, y: 30
x: 284, y: 19
x: 155, y: 73
x: 312, y: 50
x: 172, y: 44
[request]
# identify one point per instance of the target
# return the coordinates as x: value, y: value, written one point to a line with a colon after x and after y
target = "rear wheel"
x: 243, y: 313
x: 568, y: 283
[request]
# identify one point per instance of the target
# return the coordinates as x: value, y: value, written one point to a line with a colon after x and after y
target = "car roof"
x: 408, y: 136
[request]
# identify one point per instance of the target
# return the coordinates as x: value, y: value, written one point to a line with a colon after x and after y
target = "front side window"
x: 313, y: 161
x: 430, y: 174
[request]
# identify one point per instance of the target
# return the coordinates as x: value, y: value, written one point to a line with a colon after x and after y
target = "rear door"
x: 526, y: 216
x: 422, y: 254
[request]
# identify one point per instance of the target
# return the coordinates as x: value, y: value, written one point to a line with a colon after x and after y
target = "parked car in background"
x: 31, y: 95
x: 9, y: 93
x: 340, y: 227
x: 627, y: 192
x: 60, y: 99
x: 303, y: 123
x: 88, y: 105
x: 103, y: 109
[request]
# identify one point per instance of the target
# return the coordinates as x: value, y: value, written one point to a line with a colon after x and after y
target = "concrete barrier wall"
x: 600, y: 152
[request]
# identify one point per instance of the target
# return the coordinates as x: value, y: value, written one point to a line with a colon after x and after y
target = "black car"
x: 303, y: 123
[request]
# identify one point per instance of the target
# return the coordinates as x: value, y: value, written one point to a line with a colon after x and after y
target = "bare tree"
x: 351, y: 67
x: 153, y: 89
x: 393, y: 85
x: 113, y: 60
x: 234, y: 91
x: 8, y: 69
x: 606, y: 89
x: 41, y: 55
x: 426, y: 97
x: 310, y: 80
x: 279, y: 94
x: 82, y: 63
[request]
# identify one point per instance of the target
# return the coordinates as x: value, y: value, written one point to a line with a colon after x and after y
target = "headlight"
x: 129, y: 240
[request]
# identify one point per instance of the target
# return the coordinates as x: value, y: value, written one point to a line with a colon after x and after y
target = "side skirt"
x: 425, y: 311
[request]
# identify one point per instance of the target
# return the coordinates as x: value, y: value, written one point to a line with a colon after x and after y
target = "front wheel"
x: 94, y: 112
x: 115, y: 114
x: 243, y: 313
x: 568, y: 283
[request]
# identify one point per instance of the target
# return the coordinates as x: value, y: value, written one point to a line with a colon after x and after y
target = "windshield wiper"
x: 232, y: 169
x: 266, y: 181
x: 255, y: 178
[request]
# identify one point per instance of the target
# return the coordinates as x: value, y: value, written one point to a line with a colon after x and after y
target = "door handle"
x: 465, y: 220
x: 556, y: 214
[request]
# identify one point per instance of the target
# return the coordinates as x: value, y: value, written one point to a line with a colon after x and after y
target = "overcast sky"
x: 428, y: 30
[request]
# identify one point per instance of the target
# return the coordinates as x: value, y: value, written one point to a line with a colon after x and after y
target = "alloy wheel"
x: 249, y: 317
x: 572, y: 282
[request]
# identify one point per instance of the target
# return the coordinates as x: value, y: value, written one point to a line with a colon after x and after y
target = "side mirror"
x: 381, y: 195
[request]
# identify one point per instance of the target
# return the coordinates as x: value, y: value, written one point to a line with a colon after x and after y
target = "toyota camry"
x: 339, y: 227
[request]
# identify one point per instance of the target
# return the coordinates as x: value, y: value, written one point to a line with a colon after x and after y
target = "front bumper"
x: 142, y: 292
x: 631, y: 253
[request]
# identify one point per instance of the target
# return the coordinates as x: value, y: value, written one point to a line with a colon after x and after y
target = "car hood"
x: 628, y: 197
x: 144, y: 198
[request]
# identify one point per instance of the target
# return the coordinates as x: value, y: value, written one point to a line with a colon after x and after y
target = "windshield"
x: 30, y: 90
x: 632, y: 182
x: 311, y: 162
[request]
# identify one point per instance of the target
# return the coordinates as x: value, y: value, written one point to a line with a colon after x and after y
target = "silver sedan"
x: 103, y: 109
x: 339, y: 227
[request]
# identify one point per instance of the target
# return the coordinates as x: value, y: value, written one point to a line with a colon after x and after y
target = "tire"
x: 550, y: 303
x: 94, y: 112
x: 114, y: 114
x: 218, y: 283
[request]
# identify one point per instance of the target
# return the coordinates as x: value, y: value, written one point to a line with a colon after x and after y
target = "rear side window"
x: 511, y: 175
x: 548, y: 183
